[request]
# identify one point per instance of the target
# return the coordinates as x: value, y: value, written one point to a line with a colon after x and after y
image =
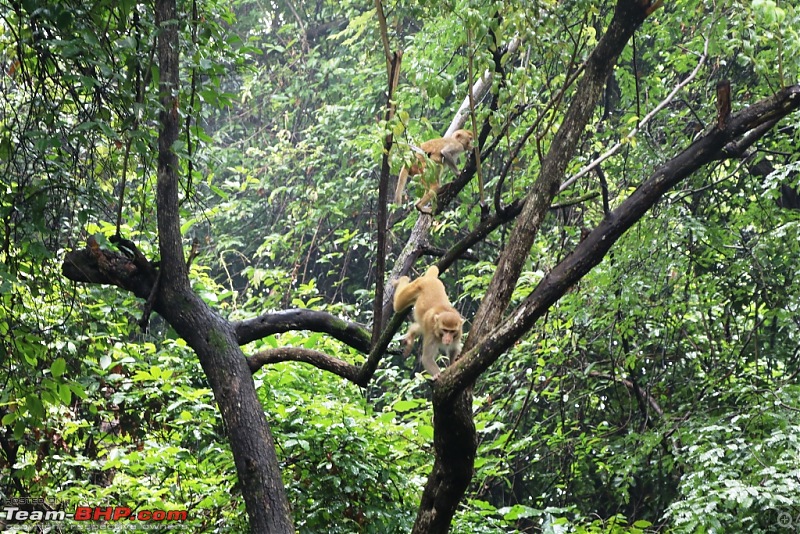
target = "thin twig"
x: 613, y: 150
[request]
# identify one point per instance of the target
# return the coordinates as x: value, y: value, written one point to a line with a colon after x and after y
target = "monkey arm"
x: 411, y: 336
x: 401, y: 185
x: 453, y: 350
x: 451, y: 163
x: 431, y: 190
x: 450, y: 158
x: 430, y: 348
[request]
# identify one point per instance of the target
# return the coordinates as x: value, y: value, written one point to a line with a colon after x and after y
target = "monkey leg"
x: 430, y: 193
x: 413, y: 331
x: 421, y: 207
x: 430, y: 348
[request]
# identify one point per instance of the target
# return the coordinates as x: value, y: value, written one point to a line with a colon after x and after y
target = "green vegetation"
x: 659, y: 393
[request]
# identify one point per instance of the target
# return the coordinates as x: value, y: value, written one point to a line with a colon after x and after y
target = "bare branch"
x: 318, y: 359
x: 636, y: 388
x: 352, y: 334
x: 748, y: 124
x: 419, y: 235
x: 614, y: 149
x: 479, y: 90
x: 628, y: 15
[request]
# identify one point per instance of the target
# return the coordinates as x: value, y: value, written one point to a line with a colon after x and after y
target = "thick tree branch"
x: 93, y: 265
x: 211, y: 336
x: 748, y: 124
x: 455, y: 440
x: 351, y: 334
x: 628, y: 15
x: 176, y: 275
x: 318, y: 359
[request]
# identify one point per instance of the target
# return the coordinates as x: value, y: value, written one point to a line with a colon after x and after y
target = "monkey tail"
x: 401, y: 185
x: 433, y: 271
x: 406, y: 293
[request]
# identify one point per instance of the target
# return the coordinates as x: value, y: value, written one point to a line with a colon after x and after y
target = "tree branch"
x: 351, y: 334
x: 628, y: 15
x: 748, y: 124
x: 318, y: 359
x: 93, y: 265
x: 176, y: 275
x: 455, y: 440
x: 661, y: 105
x: 636, y: 388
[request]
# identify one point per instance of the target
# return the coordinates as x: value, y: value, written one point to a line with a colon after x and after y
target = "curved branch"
x: 359, y: 375
x: 316, y: 358
x: 747, y: 125
x: 351, y: 334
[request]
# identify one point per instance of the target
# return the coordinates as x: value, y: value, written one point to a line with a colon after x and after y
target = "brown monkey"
x: 439, y: 323
x: 444, y: 151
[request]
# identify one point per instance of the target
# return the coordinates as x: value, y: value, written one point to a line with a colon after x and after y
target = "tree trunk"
x: 455, y: 445
x: 212, y: 337
x: 455, y: 439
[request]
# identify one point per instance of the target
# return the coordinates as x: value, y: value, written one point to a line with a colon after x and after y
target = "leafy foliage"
x: 658, y: 395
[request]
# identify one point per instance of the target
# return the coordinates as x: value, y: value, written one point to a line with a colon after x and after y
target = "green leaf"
x: 402, y: 406
x: 58, y: 367
x: 65, y: 393
x: 35, y: 406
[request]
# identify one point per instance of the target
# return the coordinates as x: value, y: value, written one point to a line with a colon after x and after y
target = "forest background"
x: 653, y: 388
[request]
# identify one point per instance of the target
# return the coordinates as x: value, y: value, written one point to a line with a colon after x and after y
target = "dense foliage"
x: 659, y: 395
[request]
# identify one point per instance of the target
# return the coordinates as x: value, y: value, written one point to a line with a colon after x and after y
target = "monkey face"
x: 448, y: 327
x: 464, y: 137
x: 448, y: 336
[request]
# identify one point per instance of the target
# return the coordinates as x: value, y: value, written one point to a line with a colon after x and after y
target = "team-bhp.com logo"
x: 41, y: 510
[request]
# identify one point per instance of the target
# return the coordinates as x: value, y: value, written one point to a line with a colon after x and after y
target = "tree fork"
x: 455, y: 439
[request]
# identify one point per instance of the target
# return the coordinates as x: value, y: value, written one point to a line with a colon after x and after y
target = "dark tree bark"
x: 455, y: 439
x: 216, y: 340
x: 353, y: 334
x: 213, y: 338
x: 717, y: 144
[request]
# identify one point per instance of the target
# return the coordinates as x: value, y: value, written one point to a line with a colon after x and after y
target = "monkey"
x: 434, y: 317
x: 444, y: 151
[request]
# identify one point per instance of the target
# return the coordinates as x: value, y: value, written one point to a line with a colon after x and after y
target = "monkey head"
x: 447, y: 327
x: 464, y: 137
